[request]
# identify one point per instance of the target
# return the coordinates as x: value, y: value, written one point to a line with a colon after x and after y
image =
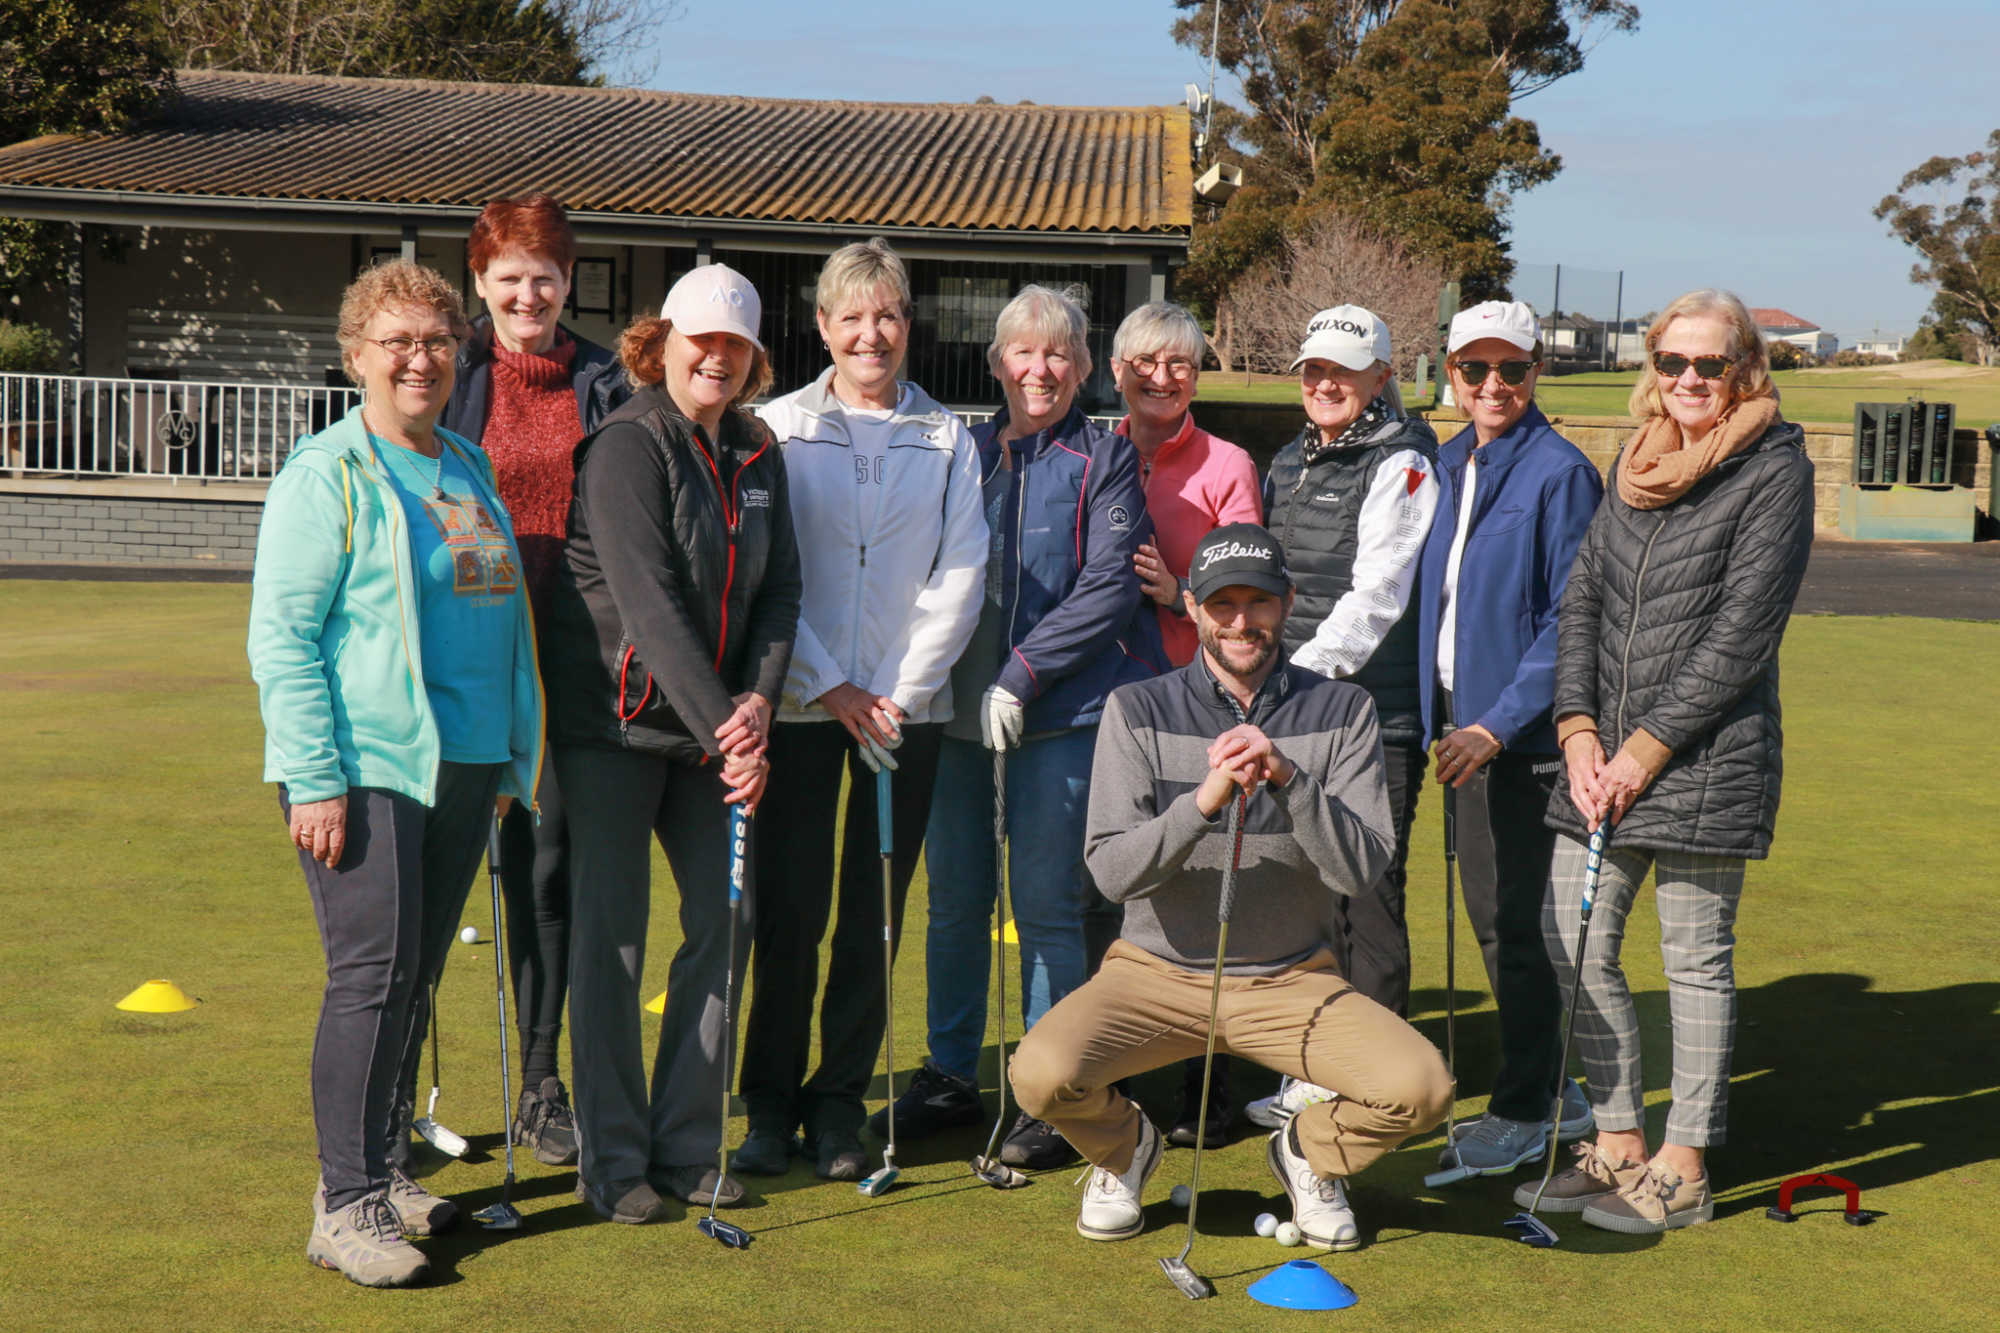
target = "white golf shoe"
x: 1319, y: 1203
x: 1111, y: 1208
x: 1293, y: 1096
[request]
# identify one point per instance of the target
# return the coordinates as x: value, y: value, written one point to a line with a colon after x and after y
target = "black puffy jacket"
x: 1671, y: 622
x: 680, y: 583
x: 1314, y: 511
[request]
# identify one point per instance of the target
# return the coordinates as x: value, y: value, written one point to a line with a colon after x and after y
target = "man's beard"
x: 1212, y: 642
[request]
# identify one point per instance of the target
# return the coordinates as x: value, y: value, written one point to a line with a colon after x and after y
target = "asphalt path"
x: 1949, y: 581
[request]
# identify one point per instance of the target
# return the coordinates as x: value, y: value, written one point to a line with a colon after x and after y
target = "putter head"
x: 735, y: 1237
x: 1192, y: 1284
x: 1451, y: 1175
x: 502, y: 1216
x: 444, y: 1140
x: 997, y: 1173
x: 1531, y: 1230
x: 876, y: 1185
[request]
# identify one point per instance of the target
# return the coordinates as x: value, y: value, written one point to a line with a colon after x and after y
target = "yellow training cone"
x: 158, y: 997
x: 1013, y: 937
x: 658, y: 1004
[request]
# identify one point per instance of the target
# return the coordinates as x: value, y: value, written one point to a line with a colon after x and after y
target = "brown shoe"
x: 1659, y: 1200
x: 1594, y: 1176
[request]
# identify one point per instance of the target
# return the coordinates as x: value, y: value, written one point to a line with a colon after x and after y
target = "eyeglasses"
x: 404, y: 349
x: 1177, y: 366
x: 1673, y: 365
x: 1512, y: 373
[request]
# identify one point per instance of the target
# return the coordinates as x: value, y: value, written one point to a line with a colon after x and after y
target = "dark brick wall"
x: 46, y: 528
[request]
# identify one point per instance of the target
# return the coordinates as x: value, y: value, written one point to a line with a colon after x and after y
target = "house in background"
x: 243, y: 210
x: 1572, y: 342
x: 1783, y: 326
x: 1889, y: 347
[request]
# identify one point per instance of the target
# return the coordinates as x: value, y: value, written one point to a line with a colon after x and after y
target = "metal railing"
x: 210, y: 430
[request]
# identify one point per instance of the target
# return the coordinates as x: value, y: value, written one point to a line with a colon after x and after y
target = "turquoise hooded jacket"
x: 334, y: 642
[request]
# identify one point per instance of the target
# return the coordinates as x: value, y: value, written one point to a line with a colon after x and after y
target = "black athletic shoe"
x: 934, y: 1100
x: 1035, y: 1144
x: 838, y: 1156
x: 1182, y: 1134
x: 544, y: 1122
x: 766, y: 1151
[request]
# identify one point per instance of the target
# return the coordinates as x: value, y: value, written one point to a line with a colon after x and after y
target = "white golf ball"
x: 1288, y: 1234
x: 1265, y: 1225
x: 469, y: 935
x: 1181, y: 1196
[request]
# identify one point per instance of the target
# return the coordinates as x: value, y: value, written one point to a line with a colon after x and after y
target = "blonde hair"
x: 1043, y: 314
x: 397, y: 283
x: 1159, y: 325
x: 642, y: 350
x: 1748, y: 378
x: 865, y: 266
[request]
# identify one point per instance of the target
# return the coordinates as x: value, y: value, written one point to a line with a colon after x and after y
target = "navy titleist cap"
x: 1243, y: 554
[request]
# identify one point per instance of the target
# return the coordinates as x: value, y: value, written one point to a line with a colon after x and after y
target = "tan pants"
x: 1140, y: 1012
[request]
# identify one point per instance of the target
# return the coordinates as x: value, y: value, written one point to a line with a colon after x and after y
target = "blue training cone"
x: 1302, y: 1285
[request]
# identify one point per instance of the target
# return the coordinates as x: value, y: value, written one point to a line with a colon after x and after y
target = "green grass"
x: 1809, y: 395
x: 161, y: 1166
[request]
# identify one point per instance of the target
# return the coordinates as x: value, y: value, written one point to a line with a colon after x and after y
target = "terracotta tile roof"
x: 605, y: 150
x: 1772, y: 319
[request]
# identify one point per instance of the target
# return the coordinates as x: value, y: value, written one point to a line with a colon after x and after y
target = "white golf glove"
x: 1002, y: 718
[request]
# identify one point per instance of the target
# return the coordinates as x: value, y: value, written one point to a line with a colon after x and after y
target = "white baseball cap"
x: 715, y: 298
x: 1346, y: 335
x: 1509, y: 321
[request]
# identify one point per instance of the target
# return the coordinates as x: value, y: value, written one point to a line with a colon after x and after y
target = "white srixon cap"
x: 715, y: 298
x: 1510, y: 321
x: 1346, y: 335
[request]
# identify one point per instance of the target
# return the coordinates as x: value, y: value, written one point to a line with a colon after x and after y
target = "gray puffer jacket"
x: 1671, y: 623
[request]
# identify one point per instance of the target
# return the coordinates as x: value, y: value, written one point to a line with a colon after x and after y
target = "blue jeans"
x: 1048, y: 793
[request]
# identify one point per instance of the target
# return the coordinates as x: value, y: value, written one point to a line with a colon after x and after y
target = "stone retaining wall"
x: 151, y: 524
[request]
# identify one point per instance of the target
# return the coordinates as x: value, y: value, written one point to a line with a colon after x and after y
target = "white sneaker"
x: 1293, y: 1096
x: 1111, y: 1209
x: 1319, y: 1203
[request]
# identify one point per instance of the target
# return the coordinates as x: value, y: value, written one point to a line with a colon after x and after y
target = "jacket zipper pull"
x: 864, y: 555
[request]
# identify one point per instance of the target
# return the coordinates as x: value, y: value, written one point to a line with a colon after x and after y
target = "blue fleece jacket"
x: 1533, y: 497
x: 334, y: 640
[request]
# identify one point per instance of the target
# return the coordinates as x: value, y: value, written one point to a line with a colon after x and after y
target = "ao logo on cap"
x: 727, y: 295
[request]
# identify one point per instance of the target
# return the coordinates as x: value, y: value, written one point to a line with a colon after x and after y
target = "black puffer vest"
x: 1671, y: 621
x: 1315, y: 512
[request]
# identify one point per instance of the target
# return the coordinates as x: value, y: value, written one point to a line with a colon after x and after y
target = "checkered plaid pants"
x: 1697, y: 898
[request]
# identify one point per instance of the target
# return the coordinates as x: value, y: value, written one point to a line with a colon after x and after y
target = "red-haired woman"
x: 527, y: 391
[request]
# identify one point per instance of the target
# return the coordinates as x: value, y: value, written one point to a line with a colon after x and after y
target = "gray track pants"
x: 616, y: 802
x: 1697, y: 898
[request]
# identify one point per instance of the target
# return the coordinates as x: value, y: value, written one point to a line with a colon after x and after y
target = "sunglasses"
x: 1673, y: 365
x: 1512, y: 373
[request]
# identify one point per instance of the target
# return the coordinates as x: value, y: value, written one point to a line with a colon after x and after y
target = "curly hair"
x: 642, y: 350
x: 398, y: 283
x: 1749, y: 378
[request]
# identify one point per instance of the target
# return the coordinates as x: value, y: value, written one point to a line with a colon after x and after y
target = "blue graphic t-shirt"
x: 467, y: 575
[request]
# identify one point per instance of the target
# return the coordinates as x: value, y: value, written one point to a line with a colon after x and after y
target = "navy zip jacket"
x: 600, y: 383
x: 1078, y: 624
x: 1532, y: 501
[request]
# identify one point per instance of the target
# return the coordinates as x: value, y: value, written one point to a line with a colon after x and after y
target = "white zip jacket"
x: 892, y: 548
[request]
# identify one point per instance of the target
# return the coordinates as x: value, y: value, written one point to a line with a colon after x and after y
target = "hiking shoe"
x: 634, y: 1202
x: 934, y: 1100
x: 420, y: 1212
x: 1493, y: 1145
x: 765, y: 1152
x: 700, y: 1185
x: 1659, y: 1200
x: 1319, y: 1203
x: 1111, y: 1209
x: 1577, y: 1119
x: 365, y: 1242
x: 544, y: 1122
x: 838, y: 1156
x: 1293, y: 1096
x: 1035, y: 1144
x: 1595, y: 1176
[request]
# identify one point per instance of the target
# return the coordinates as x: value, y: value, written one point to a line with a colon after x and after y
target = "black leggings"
x: 534, y: 881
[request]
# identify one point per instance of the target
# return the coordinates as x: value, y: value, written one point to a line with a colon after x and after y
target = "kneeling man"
x: 1173, y: 753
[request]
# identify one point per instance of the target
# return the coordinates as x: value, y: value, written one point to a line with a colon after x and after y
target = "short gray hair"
x: 865, y: 266
x: 1159, y: 326
x: 1043, y: 314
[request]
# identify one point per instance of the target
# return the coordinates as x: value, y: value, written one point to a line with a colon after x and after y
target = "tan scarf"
x: 1657, y: 470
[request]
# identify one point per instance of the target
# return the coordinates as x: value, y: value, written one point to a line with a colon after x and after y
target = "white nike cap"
x: 1510, y: 321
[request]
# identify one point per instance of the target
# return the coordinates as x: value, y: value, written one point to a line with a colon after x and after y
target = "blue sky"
x: 1737, y: 144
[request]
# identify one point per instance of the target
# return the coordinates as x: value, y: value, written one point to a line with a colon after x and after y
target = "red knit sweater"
x: 532, y: 428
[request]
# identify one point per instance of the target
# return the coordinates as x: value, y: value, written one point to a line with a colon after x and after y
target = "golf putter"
x: 1192, y: 1284
x: 501, y: 1216
x: 878, y: 1184
x: 426, y: 1125
x: 735, y: 1237
x: 1531, y: 1229
x: 988, y: 1166
x: 1450, y: 1175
